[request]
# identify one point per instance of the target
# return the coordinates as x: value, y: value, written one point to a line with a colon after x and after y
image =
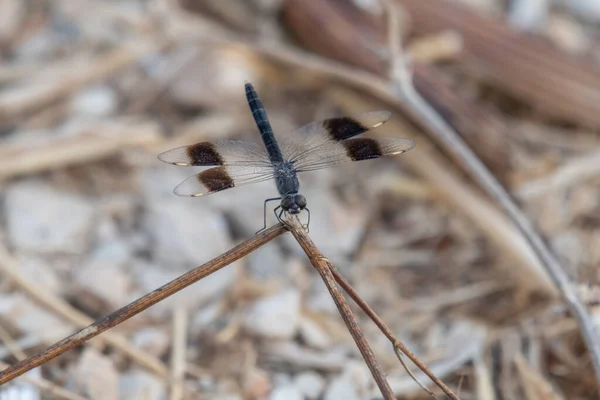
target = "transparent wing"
x: 223, y: 177
x: 218, y: 152
x: 305, y: 141
x: 333, y: 153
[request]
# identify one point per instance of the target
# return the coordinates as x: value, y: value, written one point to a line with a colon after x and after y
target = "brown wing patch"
x: 204, y: 153
x: 216, y: 179
x: 362, y: 149
x: 343, y: 128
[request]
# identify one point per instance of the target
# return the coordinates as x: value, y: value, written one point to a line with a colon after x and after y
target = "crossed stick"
x: 326, y: 269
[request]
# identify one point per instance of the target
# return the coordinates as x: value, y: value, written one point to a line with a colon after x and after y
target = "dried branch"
x: 10, y: 269
x: 329, y: 273
x: 405, y: 91
x: 178, y: 359
x: 324, y: 268
x: 397, y: 343
x: 399, y: 354
x: 141, y: 304
x: 446, y: 135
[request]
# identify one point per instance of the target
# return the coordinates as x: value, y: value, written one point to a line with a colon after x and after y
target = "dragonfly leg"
x: 280, y: 213
x: 265, y: 214
x: 307, y: 222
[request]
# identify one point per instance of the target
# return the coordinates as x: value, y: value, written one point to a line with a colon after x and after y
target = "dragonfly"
x: 315, y: 146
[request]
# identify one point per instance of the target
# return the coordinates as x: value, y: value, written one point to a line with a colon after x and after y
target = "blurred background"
x: 90, y: 93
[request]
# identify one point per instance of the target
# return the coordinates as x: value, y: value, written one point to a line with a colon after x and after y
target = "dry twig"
x: 324, y: 268
x: 9, y: 268
x: 178, y: 359
x: 445, y: 134
x: 397, y: 343
x: 327, y: 271
x: 141, y: 304
x: 330, y: 274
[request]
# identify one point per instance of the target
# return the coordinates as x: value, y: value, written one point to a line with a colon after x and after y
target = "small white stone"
x: 310, y: 384
x: 38, y: 46
x: 22, y: 389
x: 320, y: 300
x: 97, y: 101
x: 275, y: 316
x: 211, y: 80
x: 529, y: 15
x: 185, y: 234
x: 488, y: 6
x: 103, y: 274
x: 286, y: 393
x: 25, y: 315
x: 313, y: 334
x: 281, y: 379
x: 341, y: 388
x: 96, y: 375
x: 205, y: 317
x: 372, y: 6
x: 569, y: 244
x: 354, y: 383
x: 256, y: 384
x: 41, y: 218
x: 39, y: 271
x: 153, y: 340
x: 586, y: 9
x: 267, y: 262
x: 149, y: 277
x: 141, y: 385
x: 291, y: 353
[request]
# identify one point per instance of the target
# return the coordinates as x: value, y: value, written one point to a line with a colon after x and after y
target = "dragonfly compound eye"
x: 287, y: 202
x: 300, y: 201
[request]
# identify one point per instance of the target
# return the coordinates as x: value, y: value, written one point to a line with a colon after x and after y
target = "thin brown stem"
x: 394, y: 37
x: 409, y: 372
x: 178, y: 353
x: 388, y: 332
x: 141, y: 304
x: 324, y: 267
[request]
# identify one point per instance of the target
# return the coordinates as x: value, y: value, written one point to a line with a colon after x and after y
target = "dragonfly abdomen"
x: 260, y: 117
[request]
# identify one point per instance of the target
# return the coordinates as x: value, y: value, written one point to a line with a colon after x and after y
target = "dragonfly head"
x: 293, y: 203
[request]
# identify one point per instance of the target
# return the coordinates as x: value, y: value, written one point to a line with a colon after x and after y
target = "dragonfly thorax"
x: 286, y: 179
x: 293, y: 203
